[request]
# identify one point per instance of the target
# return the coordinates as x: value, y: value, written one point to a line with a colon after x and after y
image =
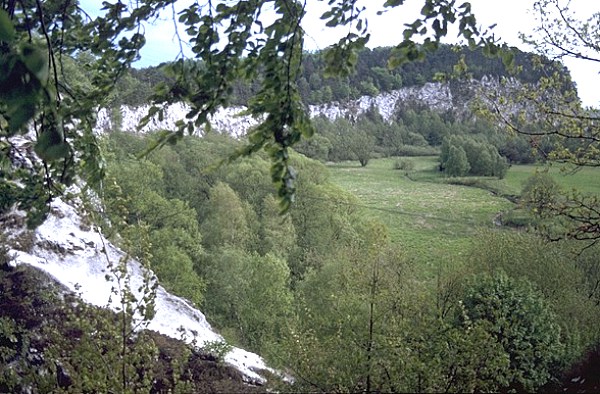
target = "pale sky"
x: 510, y: 16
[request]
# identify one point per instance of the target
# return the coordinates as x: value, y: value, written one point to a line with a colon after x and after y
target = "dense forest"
x: 323, y: 293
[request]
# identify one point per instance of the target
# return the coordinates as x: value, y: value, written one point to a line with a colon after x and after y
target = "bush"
x: 404, y: 165
x: 517, y: 316
x: 566, y: 283
x: 540, y: 192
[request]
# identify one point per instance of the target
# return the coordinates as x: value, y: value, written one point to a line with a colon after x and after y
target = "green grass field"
x: 430, y: 218
x: 585, y: 180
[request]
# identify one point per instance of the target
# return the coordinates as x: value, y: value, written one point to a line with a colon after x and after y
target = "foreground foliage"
x: 520, y: 321
x: 344, y: 307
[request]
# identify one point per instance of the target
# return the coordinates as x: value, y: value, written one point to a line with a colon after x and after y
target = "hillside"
x: 82, y: 264
x: 414, y: 117
x: 371, y: 77
x: 438, y: 97
x: 299, y: 288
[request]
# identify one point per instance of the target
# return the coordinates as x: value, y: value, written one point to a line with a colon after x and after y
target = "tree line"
x: 473, y: 146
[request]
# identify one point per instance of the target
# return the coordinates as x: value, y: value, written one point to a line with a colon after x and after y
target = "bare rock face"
x: 128, y: 118
x: 436, y: 95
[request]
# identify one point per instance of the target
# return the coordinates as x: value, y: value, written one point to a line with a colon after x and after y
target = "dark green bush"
x: 520, y: 320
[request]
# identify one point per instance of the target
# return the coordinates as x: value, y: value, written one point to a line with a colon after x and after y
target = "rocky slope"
x: 73, y: 251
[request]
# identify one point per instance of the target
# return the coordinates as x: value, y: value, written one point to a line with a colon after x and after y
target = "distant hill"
x: 371, y: 78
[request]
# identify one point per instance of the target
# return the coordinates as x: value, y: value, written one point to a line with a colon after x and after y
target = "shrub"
x: 517, y: 316
x: 540, y: 192
x: 404, y: 165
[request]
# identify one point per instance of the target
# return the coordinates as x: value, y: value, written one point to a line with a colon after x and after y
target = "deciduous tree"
x: 519, y: 319
x: 457, y: 163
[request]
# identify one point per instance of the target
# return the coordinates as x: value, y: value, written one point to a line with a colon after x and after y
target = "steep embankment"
x: 70, y: 249
x: 74, y: 252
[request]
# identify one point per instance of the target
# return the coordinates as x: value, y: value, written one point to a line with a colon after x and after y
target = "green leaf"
x: 21, y: 107
x: 426, y: 10
x: 50, y: 145
x: 333, y: 23
x: 7, y: 30
x: 437, y: 27
x: 327, y: 15
x: 35, y: 61
x: 221, y: 8
x: 393, y: 3
x: 19, y: 116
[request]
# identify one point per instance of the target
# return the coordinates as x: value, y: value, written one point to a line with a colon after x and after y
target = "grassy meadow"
x: 585, y: 180
x: 430, y: 218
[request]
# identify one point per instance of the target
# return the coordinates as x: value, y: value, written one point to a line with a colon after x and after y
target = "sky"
x: 511, y: 17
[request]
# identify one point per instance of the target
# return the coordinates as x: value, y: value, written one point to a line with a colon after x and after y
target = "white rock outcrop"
x: 435, y: 95
x: 226, y: 120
